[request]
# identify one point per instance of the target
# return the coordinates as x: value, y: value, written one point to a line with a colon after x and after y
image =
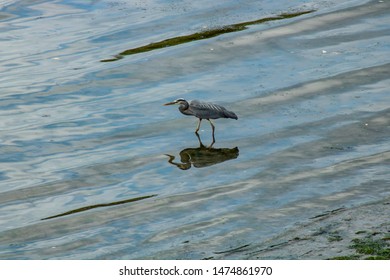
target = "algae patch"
x: 202, y: 35
x: 368, y: 248
x: 376, y: 249
x: 86, y: 208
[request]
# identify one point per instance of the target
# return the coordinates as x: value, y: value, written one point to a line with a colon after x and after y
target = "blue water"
x: 85, y: 144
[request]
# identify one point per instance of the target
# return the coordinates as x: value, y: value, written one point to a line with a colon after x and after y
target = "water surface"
x: 94, y: 167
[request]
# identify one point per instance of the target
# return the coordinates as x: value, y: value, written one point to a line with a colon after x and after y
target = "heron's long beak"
x: 170, y: 103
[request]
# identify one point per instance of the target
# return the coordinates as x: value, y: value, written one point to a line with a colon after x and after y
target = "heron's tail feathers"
x: 230, y: 115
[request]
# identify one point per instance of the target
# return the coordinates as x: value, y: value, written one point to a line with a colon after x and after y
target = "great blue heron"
x: 203, y: 110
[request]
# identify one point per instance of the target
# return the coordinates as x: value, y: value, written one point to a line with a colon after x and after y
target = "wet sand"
x: 325, y: 236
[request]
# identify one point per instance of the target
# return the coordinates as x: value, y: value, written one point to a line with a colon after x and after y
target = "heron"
x: 203, y: 110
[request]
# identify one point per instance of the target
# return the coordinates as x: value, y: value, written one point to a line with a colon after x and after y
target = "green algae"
x: 375, y: 248
x: 368, y: 248
x: 202, y: 35
x: 82, y: 209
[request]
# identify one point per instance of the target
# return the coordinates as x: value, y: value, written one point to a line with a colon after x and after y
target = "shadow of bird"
x: 203, y: 156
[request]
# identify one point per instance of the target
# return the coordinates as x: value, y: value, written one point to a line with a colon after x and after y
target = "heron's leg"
x: 213, y: 127
x: 197, y: 128
x: 200, y: 141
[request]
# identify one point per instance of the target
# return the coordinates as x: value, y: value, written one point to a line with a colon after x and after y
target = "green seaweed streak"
x: 206, y: 34
x: 82, y: 209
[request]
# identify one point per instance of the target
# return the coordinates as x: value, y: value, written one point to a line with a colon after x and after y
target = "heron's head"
x: 177, y: 101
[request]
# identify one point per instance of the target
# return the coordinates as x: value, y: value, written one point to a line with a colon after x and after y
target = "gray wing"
x: 206, y: 110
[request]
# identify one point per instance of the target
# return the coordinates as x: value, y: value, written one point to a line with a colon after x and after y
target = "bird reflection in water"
x: 203, y: 156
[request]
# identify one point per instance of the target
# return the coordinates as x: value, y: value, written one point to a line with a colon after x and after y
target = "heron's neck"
x: 183, y: 107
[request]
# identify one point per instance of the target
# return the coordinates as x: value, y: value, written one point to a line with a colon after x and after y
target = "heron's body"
x: 203, y: 110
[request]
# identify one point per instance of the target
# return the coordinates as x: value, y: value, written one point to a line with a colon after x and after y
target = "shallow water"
x: 94, y: 167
